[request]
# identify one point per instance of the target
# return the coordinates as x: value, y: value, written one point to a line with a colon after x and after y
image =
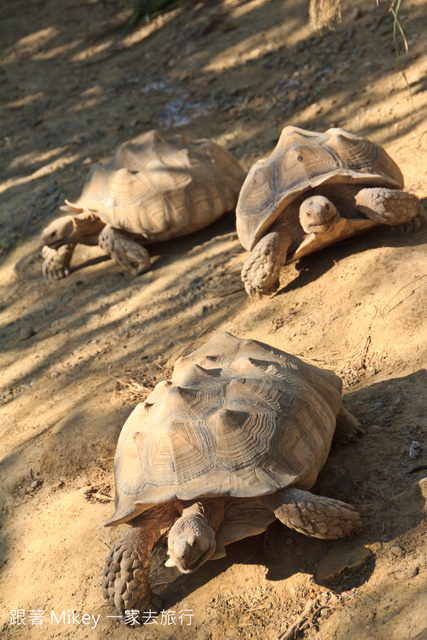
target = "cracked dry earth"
x: 78, y: 355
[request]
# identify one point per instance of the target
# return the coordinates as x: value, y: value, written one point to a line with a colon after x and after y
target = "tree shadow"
x: 106, y: 94
x: 61, y: 114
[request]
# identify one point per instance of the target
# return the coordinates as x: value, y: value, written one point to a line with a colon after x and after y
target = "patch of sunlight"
x: 56, y: 51
x: 92, y: 51
x: 30, y: 44
x: 258, y: 45
x: 88, y: 98
x: 26, y: 100
x: 59, y: 163
x: 245, y: 8
x: 32, y: 157
x: 86, y: 104
x: 238, y: 135
x: 147, y: 30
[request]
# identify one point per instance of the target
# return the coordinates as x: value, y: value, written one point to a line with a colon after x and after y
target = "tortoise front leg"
x: 391, y: 206
x: 125, y: 583
x: 124, y: 250
x: 56, y: 262
x: 260, y: 273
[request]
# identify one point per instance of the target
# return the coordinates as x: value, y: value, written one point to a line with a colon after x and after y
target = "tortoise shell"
x: 238, y: 418
x: 302, y: 161
x: 160, y: 188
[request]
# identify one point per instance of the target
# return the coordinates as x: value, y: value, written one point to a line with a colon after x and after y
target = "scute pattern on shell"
x: 303, y: 160
x: 160, y: 188
x: 238, y: 418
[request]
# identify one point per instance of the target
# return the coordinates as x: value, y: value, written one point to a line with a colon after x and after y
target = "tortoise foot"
x: 56, y: 262
x: 260, y: 273
x: 413, y: 225
x: 124, y: 250
x: 125, y: 582
x: 348, y: 429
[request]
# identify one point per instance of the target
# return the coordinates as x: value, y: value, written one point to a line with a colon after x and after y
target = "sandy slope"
x: 79, y: 354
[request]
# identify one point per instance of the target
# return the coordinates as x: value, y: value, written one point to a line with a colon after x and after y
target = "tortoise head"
x: 59, y: 232
x: 317, y: 214
x: 191, y: 542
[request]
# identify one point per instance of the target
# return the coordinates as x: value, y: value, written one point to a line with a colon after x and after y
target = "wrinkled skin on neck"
x: 83, y: 228
x: 191, y: 540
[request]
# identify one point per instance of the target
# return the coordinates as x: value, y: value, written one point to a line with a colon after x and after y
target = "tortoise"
x: 233, y: 441
x: 315, y: 189
x: 150, y: 191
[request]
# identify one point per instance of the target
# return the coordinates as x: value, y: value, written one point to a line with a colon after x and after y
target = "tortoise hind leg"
x: 315, y: 516
x: 124, y: 250
x: 391, y: 206
x: 260, y: 273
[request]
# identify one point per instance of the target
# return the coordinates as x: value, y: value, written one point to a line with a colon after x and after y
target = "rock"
x: 25, y: 333
x: 414, y: 450
x: 338, y: 560
x: 33, y: 486
x: 397, y: 551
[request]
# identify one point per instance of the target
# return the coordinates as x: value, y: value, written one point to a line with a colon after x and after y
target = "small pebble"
x: 397, y: 551
x: 414, y: 450
x: 25, y: 333
x: 54, y: 374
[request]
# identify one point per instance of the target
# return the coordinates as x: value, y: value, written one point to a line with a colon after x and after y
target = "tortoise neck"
x: 210, y: 509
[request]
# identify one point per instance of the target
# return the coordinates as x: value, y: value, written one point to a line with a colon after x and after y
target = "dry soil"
x: 77, y: 355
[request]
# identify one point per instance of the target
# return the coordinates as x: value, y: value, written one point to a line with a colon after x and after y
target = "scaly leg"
x: 124, y: 250
x: 125, y: 583
x: 56, y: 262
x: 313, y: 515
x: 260, y: 273
x: 391, y: 206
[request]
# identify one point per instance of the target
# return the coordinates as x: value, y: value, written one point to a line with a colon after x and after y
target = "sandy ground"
x: 78, y: 355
